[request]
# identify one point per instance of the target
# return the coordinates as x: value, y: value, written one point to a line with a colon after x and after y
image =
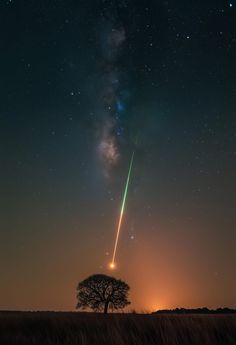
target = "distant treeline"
x: 197, y: 311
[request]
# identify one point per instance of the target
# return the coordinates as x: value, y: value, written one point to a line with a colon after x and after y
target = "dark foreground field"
x: 128, y: 329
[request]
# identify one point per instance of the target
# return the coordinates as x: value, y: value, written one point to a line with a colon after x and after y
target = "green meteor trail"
x: 112, y: 264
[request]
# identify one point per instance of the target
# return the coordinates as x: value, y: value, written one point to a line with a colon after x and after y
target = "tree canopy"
x: 100, y: 292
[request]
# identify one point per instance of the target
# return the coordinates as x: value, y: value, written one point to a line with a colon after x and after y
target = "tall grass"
x: 121, y: 329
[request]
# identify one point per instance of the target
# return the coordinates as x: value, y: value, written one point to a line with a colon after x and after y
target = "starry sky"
x: 83, y: 85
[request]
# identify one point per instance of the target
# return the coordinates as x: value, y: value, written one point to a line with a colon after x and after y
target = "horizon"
x: 178, y: 310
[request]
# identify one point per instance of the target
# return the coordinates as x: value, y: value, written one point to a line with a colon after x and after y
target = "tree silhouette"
x: 100, y: 292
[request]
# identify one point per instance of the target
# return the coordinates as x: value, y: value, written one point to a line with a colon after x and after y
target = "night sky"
x: 84, y: 84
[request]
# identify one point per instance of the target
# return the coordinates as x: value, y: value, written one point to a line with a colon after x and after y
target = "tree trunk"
x: 106, y: 307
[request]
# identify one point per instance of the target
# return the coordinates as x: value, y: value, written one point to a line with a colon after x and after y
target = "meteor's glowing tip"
x: 112, y: 265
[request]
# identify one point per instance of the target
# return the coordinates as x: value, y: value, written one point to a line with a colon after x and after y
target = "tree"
x: 100, y: 292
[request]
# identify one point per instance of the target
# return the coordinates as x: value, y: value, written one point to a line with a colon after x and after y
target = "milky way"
x: 111, y: 100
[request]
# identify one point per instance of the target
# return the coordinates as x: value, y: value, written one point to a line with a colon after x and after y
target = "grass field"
x: 122, y: 329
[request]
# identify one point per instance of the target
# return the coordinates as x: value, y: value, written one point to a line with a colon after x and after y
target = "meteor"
x: 112, y: 264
